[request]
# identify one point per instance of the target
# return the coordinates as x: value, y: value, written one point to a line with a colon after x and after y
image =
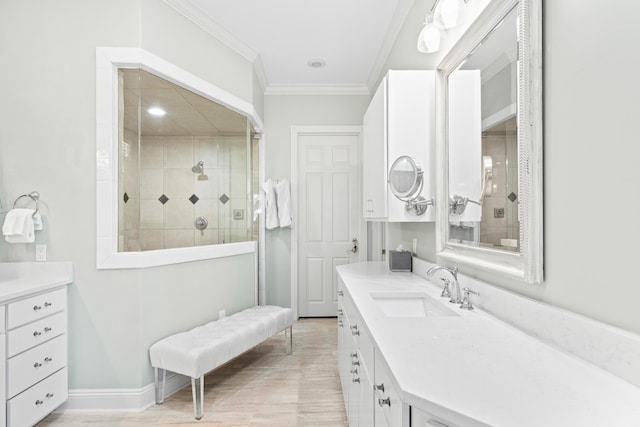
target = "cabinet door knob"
x: 378, y: 387
x: 37, y: 365
x: 355, y: 363
x: 49, y: 395
x: 36, y: 308
x: 48, y: 359
x: 37, y: 334
x: 340, y: 293
x: 353, y: 354
x: 356, y: 380
x: 47, y: 329
x: 354, y: 371
x: 383, y: 402
x: 47, y: 304
x: 39, y: 402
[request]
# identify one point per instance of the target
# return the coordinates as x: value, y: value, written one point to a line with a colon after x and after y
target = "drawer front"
x: 36, y: 307
x: 36, y: 333
x: 389, y: 399
x: 2, y: 326
x: 33, y: 404
x: 423, y: 419
x: 34, y: 365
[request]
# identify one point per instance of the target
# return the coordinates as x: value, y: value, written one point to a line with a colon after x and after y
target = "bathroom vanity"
x: 407, y: 357
x: 33, y: 342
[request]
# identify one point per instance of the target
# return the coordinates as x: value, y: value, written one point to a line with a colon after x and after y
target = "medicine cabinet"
x: 399, y: 122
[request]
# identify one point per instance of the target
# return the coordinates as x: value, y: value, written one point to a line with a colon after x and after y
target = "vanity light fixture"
x: 443, y: 15
x: 156, y: 111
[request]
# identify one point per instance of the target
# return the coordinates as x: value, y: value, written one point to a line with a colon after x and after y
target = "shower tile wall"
x: 502, y: 147
x: 161, y: 214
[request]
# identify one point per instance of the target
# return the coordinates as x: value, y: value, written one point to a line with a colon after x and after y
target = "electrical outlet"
x: 222, y: 314
x: 41, y: 252
x: 498, y: 212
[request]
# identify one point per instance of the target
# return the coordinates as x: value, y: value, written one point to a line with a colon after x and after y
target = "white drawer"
x: 2, y: 326
x: 423, y: 419
x: 34, y: 365
x: 389, y: 399
x: 33, y: 334
x: 36, y: 307
x: 33, y: 404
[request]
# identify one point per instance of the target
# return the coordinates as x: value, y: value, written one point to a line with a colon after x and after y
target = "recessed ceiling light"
x: 156, y: 111
x: 316, y: 63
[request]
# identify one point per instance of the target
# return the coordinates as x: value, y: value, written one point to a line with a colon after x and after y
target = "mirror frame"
x: 527, y: 265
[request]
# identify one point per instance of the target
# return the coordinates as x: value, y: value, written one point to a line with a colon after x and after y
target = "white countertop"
x: 18, y: 279
x: 477, y: 370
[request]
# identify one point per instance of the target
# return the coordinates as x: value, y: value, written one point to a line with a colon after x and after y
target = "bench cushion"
x: 204, y: 348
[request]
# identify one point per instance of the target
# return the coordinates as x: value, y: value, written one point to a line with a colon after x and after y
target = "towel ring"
x: 34, y: 195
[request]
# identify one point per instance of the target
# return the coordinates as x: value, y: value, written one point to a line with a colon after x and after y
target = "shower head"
x: 198, y: 167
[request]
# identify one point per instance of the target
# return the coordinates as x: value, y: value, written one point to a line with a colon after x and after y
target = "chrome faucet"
x: 456, y: 296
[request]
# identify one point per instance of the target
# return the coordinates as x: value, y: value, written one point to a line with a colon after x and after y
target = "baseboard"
x: 125, y: 399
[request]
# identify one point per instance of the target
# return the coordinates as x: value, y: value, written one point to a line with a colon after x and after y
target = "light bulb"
x: 431, y: 38
x: 156, y: 111
x: 447, y: 13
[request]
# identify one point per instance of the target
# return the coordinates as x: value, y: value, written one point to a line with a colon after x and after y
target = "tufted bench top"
x: 194, y: 353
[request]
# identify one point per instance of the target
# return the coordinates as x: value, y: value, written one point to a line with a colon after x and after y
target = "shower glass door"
x: 186, y: 168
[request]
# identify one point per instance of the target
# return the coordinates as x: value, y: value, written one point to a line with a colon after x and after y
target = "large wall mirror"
x: 490, y: 143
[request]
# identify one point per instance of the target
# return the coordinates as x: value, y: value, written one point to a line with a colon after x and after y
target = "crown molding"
x: 399, y: 17
x: 198, y: 17
x: 353, y: 89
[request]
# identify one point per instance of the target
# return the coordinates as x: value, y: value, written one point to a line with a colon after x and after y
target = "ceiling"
x: 280, y: 37
x: 187, y: 114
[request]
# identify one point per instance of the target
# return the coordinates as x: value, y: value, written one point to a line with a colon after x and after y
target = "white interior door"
x: 329, y: 216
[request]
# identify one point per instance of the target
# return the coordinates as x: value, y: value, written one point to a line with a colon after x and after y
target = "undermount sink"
x: 410, y: 304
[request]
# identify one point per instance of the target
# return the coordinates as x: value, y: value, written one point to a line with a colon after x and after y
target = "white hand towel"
x: 283, y: 192
x: 37, y: 221
x: 270, y: 207
x: 18, y: 226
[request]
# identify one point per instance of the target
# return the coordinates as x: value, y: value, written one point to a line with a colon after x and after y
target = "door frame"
x: 297, y: 131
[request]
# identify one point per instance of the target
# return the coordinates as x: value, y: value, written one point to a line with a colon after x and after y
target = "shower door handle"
x: 354, y: 249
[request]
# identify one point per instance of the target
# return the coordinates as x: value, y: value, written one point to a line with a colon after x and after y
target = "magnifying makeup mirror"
x: 406, y: 181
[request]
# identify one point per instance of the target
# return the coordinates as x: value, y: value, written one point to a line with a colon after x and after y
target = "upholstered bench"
x: 200, y: 350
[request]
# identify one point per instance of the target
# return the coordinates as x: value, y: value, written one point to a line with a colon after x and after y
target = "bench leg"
x: 197, y: 389
x: 160, y: 375
x: 288, y: 336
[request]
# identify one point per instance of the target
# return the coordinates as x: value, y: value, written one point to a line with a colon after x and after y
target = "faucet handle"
x: 466, y: 302
x: 446, y: 293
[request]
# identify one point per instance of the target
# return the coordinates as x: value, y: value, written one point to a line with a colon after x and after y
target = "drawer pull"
x: 353, y: 354
x: 48, y: 304
x: 49, y: 395
x: 340, y: 293
x: 356, y: 332
x: 48, y: 359
x: 355, y: 380
x: 39, y: 402
x: 37, y: 365
x: 383, y: 402
x: 354, y: 371
x: 355, y: 363
x: 37, y: 334
x: 36, y: 308
x: 47, y: 329
x: 378, y: 387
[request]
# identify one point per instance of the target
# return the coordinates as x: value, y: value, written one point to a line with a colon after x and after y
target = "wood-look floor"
x: 263, y: 387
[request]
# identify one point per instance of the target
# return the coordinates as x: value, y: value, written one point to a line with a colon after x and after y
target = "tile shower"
x: 170, y: 175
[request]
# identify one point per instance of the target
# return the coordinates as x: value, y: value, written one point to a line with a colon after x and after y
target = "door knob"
x: 354, y: 249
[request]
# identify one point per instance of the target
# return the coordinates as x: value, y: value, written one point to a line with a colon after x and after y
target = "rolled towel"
x: 283, y: 197
x: 18, y: 226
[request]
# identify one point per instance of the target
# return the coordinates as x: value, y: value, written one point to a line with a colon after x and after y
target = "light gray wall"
x: 47, y: 143
x: 590, y: 162
x: 282, y: 112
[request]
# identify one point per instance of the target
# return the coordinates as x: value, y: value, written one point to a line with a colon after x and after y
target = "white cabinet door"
x: 374, y: 154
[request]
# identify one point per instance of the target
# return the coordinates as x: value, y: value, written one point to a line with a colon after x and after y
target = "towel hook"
x: 34, y: 195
